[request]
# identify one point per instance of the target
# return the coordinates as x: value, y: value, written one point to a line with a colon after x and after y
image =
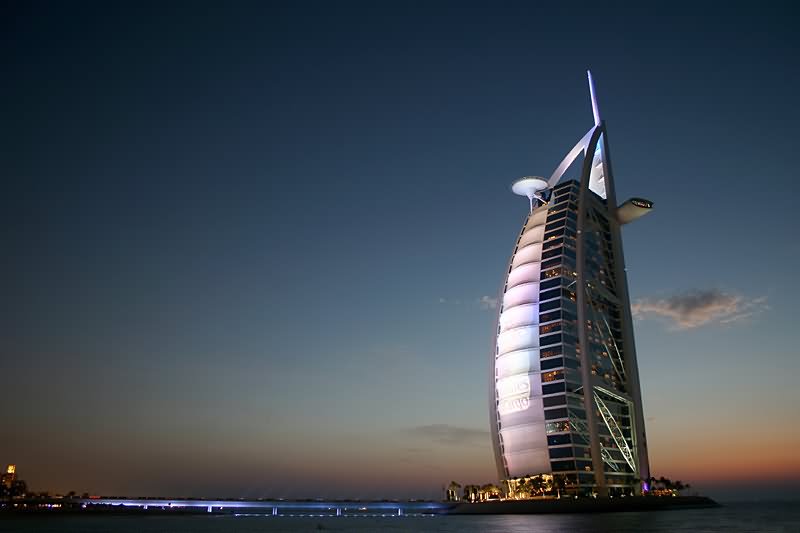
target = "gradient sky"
x: 252, y: 251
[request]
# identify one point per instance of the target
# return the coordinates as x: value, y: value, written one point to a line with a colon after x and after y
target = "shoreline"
x: 374, y: 509
x: 599, y: 505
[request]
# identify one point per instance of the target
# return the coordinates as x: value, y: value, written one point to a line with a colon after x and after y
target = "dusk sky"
x: 254, y: 249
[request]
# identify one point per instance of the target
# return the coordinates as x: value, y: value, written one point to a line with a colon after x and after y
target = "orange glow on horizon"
x: 725, y: 456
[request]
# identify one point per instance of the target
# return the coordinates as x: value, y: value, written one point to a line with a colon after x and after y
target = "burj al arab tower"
x: 565, y: 399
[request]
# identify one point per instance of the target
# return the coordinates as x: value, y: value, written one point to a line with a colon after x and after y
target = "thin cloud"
x: 449, y: 435
x: 484, y: 302
x: 699, y: 307
x: 487, y: 302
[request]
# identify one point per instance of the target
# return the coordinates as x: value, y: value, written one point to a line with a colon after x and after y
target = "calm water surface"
x: 777, y: 517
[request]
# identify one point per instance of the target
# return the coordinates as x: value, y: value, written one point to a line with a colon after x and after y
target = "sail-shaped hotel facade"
x: 565, y: 397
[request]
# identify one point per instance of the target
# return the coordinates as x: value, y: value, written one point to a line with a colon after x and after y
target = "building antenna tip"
x: 593, y: 95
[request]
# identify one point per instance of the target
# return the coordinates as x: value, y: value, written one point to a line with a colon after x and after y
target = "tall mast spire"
x: 595, y: 109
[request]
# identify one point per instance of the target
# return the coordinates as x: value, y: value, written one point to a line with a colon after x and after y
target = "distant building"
x: 9, y: 477
x: 565, y: 396
x: 10, y: 485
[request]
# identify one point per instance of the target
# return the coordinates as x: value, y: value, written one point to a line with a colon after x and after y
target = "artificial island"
x: 565, y: 401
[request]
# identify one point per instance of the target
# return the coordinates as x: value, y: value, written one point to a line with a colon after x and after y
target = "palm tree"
x: 476, y: 492
x: 470, y: 492
x: 452, y: 491
x: 524, y: 487
x: 536, y: 484
x: 559, y: 484
x: 519, y: 483
x: 492, y: 490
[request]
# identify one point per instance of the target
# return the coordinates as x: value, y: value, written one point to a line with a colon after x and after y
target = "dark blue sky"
x: 245, y: 246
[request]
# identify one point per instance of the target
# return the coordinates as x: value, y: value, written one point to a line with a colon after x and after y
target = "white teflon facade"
x: 518, y: 385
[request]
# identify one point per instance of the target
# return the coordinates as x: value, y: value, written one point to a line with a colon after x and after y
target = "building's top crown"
x: 532, y: 186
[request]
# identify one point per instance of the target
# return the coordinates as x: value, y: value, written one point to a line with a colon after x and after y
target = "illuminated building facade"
x: 10, y: 485
x: 565, y: 395
x: 8, y: 478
